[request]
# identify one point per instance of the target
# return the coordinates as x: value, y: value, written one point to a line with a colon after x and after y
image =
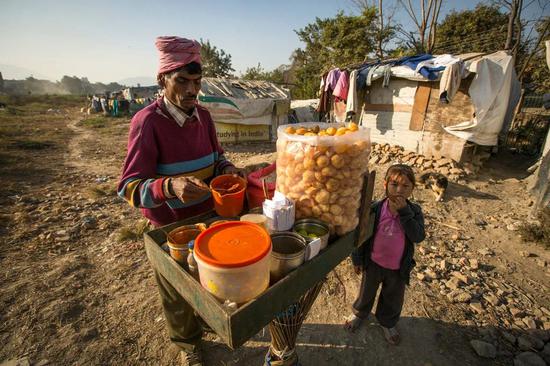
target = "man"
x: 173, y: 152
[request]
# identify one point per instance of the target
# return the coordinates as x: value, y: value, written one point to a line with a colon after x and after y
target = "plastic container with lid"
x: 233, y: 259
x: 191, y: 262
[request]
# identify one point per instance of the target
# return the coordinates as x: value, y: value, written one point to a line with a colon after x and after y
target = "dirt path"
x: 74, y: 293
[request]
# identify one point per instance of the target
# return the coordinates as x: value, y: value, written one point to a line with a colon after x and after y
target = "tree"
x: 215, y: 62
x: 72, y: 85
x: 534, y: 70
x: 425, y: 22
x: 384, y: 23
x: 1, y: 83
x: 339, y: 41
x: 482, y: 29
x: 258, y: 73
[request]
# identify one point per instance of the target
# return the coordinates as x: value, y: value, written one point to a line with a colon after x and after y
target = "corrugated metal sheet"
x: 244, y: 89
x: 399, y: 91
x: 392, y: 127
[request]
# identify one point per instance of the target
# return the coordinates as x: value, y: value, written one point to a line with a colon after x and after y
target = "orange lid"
x: 232, y: 244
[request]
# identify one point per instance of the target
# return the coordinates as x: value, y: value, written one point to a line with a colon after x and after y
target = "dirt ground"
x: 76, y: 286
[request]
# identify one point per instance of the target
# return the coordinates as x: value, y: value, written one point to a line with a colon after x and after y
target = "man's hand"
x: 357, y: 269
x: 188, y: 188
x: 230, y: 169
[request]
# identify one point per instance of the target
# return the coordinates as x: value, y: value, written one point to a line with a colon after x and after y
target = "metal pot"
x: 318, y: 227
x: 287, y: 254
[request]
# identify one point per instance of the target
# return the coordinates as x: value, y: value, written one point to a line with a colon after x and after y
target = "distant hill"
x: 20, y: 73
x: 141, y: 80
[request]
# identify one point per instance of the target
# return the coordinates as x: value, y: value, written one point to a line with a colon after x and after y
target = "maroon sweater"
x: 158, y: 148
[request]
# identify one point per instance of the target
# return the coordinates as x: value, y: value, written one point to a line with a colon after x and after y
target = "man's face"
x: 182, y: 88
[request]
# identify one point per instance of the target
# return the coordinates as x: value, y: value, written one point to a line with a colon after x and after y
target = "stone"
x: 453, y: 283
x: 485, y: 252
x: 462, y: 277
x: 537, y: 342
x: 480, y: 222
x: 421, y: 276
x: 541, y: 262
x: 546, y: 353
x: 477, y: 307
x: 491, y: 299
x: 516, y: 313
x: 431, y: 274
x: 384, y: 160
x: 24, y: 361
x: 442, y: 162
x: 444, y: 170
x: 524, y: 253
x: 374, y: 160
x: 484, y: 349
x: 443, y: 265
x: 63, y: 239
x: 509, y: 337
x: 528, y: 359
x: 546, y: 325
x: 463, y: 297
x: 530, y: 322
x: 525, y: 343
x: 545, y: 310
x: 474, y: 263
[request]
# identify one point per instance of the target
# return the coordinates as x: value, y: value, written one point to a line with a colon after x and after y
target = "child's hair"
x: 400, y: 170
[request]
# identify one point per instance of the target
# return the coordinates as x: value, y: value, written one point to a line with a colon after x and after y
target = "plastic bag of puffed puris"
x: 321, y: 167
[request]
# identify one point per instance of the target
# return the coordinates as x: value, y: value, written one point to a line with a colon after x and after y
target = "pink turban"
x: 175, y: 52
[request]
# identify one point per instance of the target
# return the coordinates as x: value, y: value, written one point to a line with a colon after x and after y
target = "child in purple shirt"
x: 386, y: 259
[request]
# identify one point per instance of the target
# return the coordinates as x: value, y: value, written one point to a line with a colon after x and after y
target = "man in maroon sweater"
x: 173, y: 152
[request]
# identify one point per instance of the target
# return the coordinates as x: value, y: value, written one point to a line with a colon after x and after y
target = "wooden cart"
x: 235, y: 328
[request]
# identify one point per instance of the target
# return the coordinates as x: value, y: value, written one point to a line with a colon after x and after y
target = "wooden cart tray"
x: 235, y: 328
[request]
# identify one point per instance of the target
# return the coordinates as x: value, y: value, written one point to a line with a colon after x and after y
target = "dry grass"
x: 538, y: 232
x: 133, y: 232
x: 94, y: 122
x: 100, y: 191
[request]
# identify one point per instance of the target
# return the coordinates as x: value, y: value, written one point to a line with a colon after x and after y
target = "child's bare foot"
x: 391, y: 335
x: 353, y: 323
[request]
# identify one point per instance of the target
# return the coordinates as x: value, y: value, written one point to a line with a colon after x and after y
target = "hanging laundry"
x: 342, y: 85
x: 324, y: 97
x: 352, y: 103
x: 434, y: 65
x: 332, y: 79
x: 450, y: 81
x: 363, y: 73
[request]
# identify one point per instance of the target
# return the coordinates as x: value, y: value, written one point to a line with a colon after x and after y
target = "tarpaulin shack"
x: 434, y: 105
x: 245, y: 110
x: 141, y: 92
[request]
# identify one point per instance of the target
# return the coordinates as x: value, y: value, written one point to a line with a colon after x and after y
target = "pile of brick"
x: 386, y: 153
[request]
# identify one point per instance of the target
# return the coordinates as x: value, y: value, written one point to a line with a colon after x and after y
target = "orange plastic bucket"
x: 228, y: 191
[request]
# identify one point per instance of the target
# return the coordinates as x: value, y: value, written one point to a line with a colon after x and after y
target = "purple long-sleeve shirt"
x: 159, y: 148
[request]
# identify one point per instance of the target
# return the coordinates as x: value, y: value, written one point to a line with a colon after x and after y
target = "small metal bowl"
x: 317, y: 227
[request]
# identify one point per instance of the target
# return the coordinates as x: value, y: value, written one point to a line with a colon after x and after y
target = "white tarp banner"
x: 494, y: 90
x: 238, y: 110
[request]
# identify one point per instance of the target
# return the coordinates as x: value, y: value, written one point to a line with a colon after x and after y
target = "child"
x: 386, y: 258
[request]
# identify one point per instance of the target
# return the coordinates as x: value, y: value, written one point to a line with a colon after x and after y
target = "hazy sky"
x: 112, y: 40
